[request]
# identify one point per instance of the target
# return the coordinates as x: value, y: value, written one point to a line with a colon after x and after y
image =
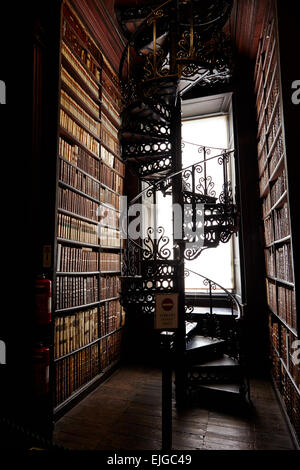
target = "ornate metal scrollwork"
x: 131, y: 259
x: 206, y: 186
x: 156, y: 244
x: 149, y: 168
x: 151, y: 149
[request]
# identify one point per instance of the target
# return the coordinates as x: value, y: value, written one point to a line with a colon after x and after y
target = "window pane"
x: 214, y: 263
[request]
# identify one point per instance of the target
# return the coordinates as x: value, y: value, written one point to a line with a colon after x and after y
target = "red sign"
x: 167, y: 304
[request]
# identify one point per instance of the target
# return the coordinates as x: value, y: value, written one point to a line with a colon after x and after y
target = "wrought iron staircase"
x: 171, y: 46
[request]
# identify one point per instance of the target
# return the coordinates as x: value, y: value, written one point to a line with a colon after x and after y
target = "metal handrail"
x: 157, y: 183
x: 221, y: 287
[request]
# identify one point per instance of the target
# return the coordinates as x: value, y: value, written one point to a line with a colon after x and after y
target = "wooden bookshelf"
x: 274, y: 192
x: 88, y: 317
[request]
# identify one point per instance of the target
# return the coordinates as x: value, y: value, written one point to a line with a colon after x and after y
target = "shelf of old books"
x: 273, y: 184
x: 88, y: 317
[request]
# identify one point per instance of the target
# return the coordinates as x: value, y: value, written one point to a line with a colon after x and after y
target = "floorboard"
x: 124, y: 413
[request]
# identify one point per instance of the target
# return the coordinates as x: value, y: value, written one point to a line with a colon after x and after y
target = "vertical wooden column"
x: 178, y: 256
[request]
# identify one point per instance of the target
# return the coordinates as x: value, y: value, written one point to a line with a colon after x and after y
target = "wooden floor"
x: 124, y: 413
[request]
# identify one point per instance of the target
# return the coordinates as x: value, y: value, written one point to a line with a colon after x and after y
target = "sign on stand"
x: 166, y: 311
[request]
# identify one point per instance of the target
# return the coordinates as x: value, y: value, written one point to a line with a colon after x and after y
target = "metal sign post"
x: 166, y: 319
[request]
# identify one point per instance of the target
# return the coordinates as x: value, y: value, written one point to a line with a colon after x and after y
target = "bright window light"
x: 213, y: 263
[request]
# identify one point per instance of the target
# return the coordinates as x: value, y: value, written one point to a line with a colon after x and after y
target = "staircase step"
x: 224, y: 361
x: 233, y: 388
x: 145, y: 110
x: 141, y: 137
x: 200, y: 198
x: 215, y: 311
x: 203, y: 342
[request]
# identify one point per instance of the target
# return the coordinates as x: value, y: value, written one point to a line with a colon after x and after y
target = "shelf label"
x: 166, y: 311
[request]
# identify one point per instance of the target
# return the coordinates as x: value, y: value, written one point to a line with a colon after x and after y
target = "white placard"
x: 166, y: 311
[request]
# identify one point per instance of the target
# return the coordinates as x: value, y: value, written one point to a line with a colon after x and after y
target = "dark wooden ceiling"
x: 245, y: 24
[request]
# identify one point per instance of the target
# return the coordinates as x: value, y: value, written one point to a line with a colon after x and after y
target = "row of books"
x: 79, y: 158
x: 80, y: 31
x: 288, y: 391
x: 108, y: 197
x: 113, y: 131
x: 82, y: 53
x: 110, y: 317
x: 109, y: 217
x: 264, y: 179
x: 271, y: 295
x: 270, y: 61
x: 111, y: 179
x: 110, y: 86
x: 80, y: 70
x: 74, y: 229
x: 72, y: 332
x: 75, y: 371
x: 71, y: 259
x: 110, y: 237
x: 110, y: 261
x: 262, y: 160
x: 278, y: 189
x: 79, y: 92
x: 282, y: 222
x: 270, y: 262
x: 70, y: 175
x: 288, y: 346
x: 272, y: 90
x: 80, y: 177
x: 108, y: 105
x: 85, y: 119
x: 73, y: 202
x: 284, y: 267
x: 269, y: 47
x: 112, y: 161
x: 80, y: 368
x: 261, y: 147
x: 110, y: 349
x: 80, y: 134
x: 274, y: 329
x: 274, y: 126
x: 110, y: 141
x: 266, y: 205
x: 268, y: 226
x: 281, y: 300
x: 277, y: 153
x: 284, y: 344
x: 74, y: 291
x: 286, y: 306
x: 292, y: 352
x: 110, y: 287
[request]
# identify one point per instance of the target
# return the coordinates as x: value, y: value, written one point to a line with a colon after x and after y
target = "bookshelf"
x: 88, y: 318
x: 273, y: 165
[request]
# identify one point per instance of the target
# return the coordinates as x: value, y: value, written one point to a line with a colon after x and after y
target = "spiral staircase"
x: 171, y: 47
